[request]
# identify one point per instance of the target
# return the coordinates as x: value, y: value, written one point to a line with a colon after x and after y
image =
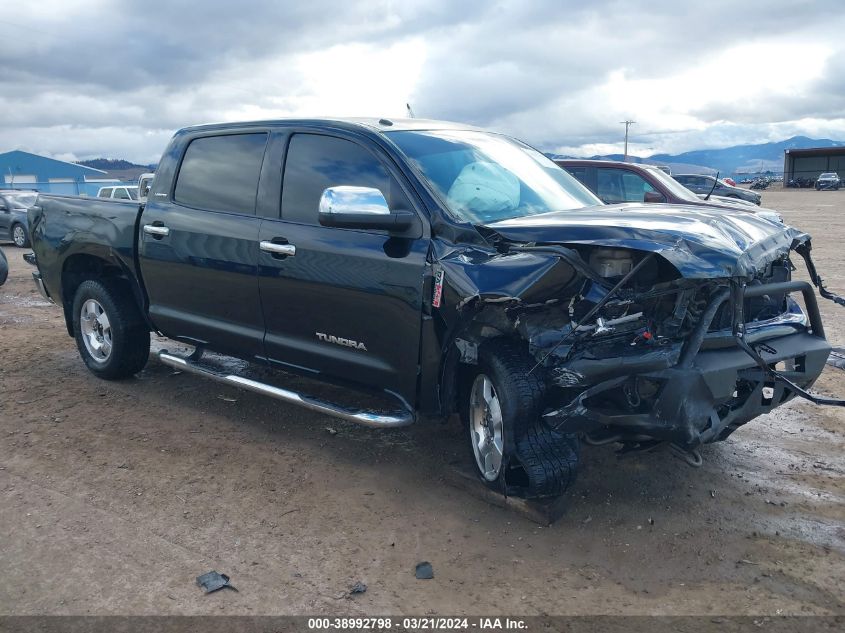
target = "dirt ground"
x: 115, y: 496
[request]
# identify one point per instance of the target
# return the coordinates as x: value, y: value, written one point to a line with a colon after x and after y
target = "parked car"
x: 730, y: 181
x: 449, y: 269
x: 615, y: 182
x: 4, y: 267
x: 828, y: 180
x: 705, y: 184
x: 119, y: 192
x: 13, y: 222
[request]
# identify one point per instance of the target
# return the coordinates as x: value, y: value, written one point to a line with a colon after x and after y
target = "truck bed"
x: 67, y: 229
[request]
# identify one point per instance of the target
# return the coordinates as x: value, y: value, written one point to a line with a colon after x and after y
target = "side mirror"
x: 348, y: 207
x: 653, y: 196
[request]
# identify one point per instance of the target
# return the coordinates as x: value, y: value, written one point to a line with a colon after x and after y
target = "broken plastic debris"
x: 358, y: 587
x: 837, y: 358
x: 227, y: 399
x: 424, y: 571
x: 212, y: 581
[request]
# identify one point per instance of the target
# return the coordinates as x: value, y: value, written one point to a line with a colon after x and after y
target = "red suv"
x: 615, y: 182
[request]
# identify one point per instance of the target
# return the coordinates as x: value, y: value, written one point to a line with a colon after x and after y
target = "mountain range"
x: 737, y: 159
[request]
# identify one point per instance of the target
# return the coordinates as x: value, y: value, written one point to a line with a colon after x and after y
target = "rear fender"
x: 80, y: 267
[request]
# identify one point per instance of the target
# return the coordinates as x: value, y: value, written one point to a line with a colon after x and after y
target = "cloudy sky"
x: 88, y: 78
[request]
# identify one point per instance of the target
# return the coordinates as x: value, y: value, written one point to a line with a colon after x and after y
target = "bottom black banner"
x: 283, y: 624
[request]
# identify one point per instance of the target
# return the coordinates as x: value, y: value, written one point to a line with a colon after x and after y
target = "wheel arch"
x: 461, y: 353
x: 80, y: 267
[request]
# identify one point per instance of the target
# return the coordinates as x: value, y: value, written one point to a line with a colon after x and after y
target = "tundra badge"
x: 337, y: 340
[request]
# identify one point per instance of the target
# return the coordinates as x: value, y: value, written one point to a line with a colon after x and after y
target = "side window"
x: 120, y: 193
x: 315, y: 163
x: 105, y: 193
x: 220, y: 173
x: 635, y: 187
x: 609, y: 186
x: 579, y: 172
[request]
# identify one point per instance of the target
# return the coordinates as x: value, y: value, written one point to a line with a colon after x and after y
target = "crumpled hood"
x: 699, y: 241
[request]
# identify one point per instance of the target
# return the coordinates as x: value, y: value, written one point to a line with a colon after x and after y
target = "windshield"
x: 23, y: 200
x: 484, y: 177
x: 677, y: 189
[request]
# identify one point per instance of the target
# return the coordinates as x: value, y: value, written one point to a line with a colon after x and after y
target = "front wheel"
x: 20, y: 236
x: 513, y: 450
x: 110, y: 333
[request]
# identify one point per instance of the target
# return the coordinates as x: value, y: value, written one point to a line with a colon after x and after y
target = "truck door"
x: 344, y: 303
x: 198, y: 246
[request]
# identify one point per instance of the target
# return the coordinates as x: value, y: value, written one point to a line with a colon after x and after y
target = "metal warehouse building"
x: 22, y: 170
x: 809, y: 163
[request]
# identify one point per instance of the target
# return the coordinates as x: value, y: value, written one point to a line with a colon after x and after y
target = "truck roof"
x: 603, y: 163
x: 369, y: 123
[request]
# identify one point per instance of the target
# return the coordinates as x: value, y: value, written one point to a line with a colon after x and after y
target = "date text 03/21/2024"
x: 417, y: 624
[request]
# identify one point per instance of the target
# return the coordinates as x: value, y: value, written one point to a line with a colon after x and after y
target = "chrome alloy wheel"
x: 486, y: 428
x: 96, y: 330
x: 19, y: 236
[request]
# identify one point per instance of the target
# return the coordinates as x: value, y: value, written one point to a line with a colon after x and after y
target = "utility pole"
x: 627, y: 125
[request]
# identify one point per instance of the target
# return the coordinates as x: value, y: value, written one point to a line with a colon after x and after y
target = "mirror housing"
x: 653, y: 196
x: 348, y: 207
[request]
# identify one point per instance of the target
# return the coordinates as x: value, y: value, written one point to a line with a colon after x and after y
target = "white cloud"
x: 561, y: 75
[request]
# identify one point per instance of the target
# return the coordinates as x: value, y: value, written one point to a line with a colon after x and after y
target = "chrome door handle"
x: 152, y: 229
x: 278, y: 249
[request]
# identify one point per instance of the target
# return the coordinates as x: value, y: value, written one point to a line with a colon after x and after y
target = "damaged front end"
x: 663, y: 337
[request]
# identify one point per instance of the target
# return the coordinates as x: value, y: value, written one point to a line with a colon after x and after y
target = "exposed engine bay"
x: 648, y: 346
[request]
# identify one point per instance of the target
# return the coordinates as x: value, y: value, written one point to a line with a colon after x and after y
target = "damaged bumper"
x: 703, y: 392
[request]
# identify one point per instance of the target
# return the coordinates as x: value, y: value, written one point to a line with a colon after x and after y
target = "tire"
x: 513, y: 451
x: 4, y: 268
x: 19, y: 235
x: 110, y: 332
x: 550, y: 460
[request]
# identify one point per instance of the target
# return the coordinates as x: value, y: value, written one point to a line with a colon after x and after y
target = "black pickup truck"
x: 451, y: 269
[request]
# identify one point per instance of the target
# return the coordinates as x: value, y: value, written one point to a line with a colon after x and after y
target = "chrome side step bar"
x: 367, y: 418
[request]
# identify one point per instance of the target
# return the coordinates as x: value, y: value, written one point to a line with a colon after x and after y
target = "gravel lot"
x: 115, y: 496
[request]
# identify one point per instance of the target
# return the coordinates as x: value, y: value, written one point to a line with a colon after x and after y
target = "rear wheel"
x: 20, y: 236
x: 513, y: 450
x: 110, y: 333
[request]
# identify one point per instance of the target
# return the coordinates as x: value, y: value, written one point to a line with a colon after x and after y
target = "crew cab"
x: 617, y: 181
x: 449, y: 269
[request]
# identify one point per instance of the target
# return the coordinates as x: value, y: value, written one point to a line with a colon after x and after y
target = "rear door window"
x: 121, y: 194
x: 220, y: 173
x: 105, y: 193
